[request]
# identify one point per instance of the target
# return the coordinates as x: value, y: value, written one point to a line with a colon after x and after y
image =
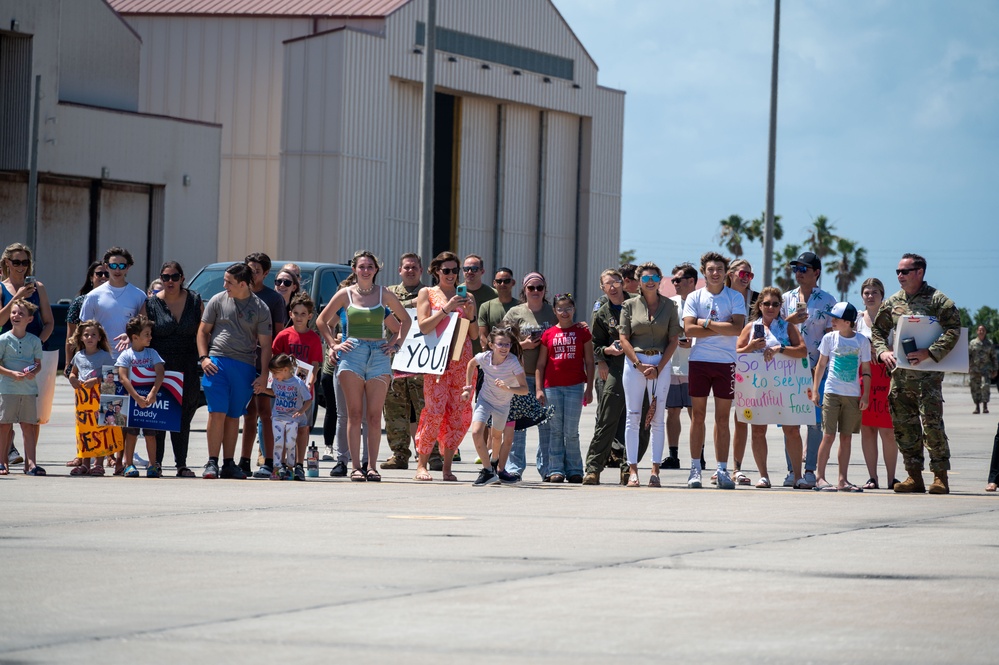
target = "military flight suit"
x: 916, y: 398
x: 982, y: 365
x: 610, y: 408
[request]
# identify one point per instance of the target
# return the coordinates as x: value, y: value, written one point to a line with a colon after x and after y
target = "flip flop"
x: 850, y: 487
x: 633, y: 481
x: 423, y: 477
x: 763, y: 484
x: 35, y: 471
x: 991, y: 487
x: 450, y: 478
x: 3, y: 470
x: 827, y: 487
x: 654, y: 481
x: 871, y: 484
x: 76, y: 461
x: 185, y: 472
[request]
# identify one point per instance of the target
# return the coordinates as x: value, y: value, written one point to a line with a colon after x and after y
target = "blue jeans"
x: 517, y: 461
x: 563, y: 446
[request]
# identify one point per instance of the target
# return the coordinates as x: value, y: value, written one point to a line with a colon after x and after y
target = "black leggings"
x: 181, y: 439
x: 329, y: 420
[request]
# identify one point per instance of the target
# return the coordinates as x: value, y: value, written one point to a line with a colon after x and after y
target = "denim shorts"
x: 367, y: 359
x: 484, y: 410
x: 229, y: 390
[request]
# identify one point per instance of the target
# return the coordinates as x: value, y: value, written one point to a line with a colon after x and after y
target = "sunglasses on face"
x: 471, y: 268
x: 534, y: 289
x: 799, y: 269
x: 745, y: 274
x: 118, y: 266
x: 904, y: 271
x: 449, y: 271
x: 102, y: 274
x: 174, y: 277
x: 20, y: 262
x: 283, y: 282
x: 769, y: 304
x: 500, y: 345
x: 650, y: 278
x: 505, y: 280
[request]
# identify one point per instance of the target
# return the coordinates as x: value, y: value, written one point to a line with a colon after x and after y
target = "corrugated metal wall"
x: 477, y: 203
x: 520, y: 188
x: 559, y: 243
x: 405, y: 112
x: 15, y: 101
x: 228, y: 71
x: 63, y: 236
x: 102, y: 71
x: 13, y: 208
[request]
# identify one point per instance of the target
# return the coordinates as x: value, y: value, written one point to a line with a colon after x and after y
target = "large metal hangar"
x: 80, y: 168
x: 320, y: 103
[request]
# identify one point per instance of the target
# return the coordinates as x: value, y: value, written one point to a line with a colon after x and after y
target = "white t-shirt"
x: 702, y: 304
x: 506, y: 371
x: 845, y: 355
x: 148, y: 358
x: 112, y: 307
x: 680, y: 361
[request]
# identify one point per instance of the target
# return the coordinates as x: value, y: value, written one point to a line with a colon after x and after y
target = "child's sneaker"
x: 154, y: 471
x: 486, y: 477
x: 131, y: 471
x: 507, y: 478
x: 283, y: 473
x: 230, y: 470
x: 266, y: 471
x: 299, y: 473
x: 211, y: 471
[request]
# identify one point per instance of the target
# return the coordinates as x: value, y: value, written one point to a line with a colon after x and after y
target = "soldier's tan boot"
x: 939, y: 484
x: 911, y: 485
x: 395, y: 462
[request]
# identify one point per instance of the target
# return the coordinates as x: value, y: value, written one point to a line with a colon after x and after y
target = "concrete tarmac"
x: 117, y: 570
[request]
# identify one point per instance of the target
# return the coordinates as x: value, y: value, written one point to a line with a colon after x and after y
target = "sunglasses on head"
x: 904, y: 271
x: 118, y: 266
x: 174, y: 277
x: 504, y: 280
x: 283, y: 282
x: 449, y: 271
x: 801, y: 269
x: 102, y: 273
x: 20, y: 262
x: 650, y: 278
x: 534, y: 289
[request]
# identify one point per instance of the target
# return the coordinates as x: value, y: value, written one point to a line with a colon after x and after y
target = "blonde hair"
x: 9, y: 252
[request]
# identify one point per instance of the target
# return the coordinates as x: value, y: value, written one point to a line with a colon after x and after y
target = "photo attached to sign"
x: 94, y: 437
x: 114, y: 410
x: 303, y: 370
x: 163, y: 414
x: 773, y: 392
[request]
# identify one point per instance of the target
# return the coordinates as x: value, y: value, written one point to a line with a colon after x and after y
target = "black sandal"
x: 357, y: 476
x: 185, y: 472
x: 373, y: 476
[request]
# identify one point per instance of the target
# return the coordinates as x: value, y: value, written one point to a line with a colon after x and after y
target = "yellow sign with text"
x: 93, y: 437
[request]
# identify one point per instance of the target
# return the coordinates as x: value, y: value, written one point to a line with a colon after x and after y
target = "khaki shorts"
x: 840, y: 414
x: 18, y: 409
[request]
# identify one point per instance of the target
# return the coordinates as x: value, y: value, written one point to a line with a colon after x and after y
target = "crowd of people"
x: 524, y: 363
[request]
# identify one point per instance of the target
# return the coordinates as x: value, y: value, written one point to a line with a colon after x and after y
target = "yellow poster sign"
x: 93, y: 437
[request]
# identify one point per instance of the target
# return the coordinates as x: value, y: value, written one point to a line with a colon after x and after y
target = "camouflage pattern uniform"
x: 610, y: 408
x: 982, y: 365
x: 404, y: 400
x: 916, y: 398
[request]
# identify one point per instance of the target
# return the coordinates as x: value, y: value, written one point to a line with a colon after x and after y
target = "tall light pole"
x: 768, y: 233
x: 426, y: 237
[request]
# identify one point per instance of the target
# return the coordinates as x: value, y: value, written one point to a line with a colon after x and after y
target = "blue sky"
x: 888, y: 124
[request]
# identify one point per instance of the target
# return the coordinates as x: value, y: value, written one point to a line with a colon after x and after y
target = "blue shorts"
x: 367, y: 359
x: 230, y: 389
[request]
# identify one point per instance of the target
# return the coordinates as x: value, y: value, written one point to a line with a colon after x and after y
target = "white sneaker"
x: 328, y: 455
x: 725, y: 481
x: 789, y: 479
x: 694, y: 479
x: 138, y: 461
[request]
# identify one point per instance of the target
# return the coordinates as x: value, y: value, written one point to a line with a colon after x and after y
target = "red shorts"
x: 706, y: 378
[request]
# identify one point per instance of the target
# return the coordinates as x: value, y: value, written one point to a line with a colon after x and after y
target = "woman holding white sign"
x: 445, y: 417
x: 769, y: 333
x: 365, y: 366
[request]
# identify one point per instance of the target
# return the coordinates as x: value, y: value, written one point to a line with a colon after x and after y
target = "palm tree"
x: 821, y: 240
x: 849, y: 268
x: 730, y: 234
x: 756, y: 228
x: 783, y: 278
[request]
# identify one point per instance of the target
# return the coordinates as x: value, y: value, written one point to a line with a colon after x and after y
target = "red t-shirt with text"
x: 566, y: 365
x: 307, y: 346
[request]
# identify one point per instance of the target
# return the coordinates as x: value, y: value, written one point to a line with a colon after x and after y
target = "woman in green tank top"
x: 365, y: 367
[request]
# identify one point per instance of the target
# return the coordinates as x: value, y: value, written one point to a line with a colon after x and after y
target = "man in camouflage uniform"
x: 982, y: 366
x: 610, y: 367
x: 916, y: 398
x: 404, y: 400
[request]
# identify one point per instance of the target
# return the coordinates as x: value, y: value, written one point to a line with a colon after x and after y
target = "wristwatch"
x: 201, y: 359
x: 782, y: 347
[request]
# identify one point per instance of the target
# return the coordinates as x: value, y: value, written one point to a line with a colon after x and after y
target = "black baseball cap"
x: 808, y: 259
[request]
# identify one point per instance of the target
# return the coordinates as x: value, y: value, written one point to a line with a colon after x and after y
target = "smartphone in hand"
x: 758, y: 332
x: 462, y: 291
